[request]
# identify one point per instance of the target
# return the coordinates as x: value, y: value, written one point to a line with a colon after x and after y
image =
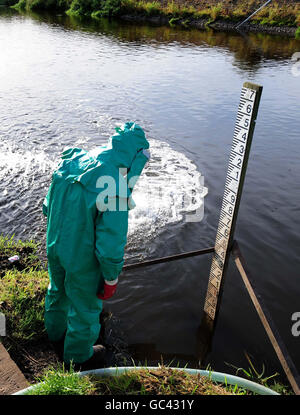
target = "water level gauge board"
x: 242, y: 138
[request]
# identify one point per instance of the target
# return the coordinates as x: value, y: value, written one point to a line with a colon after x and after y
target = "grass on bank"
x: 22, y: 300
x: 23, y: 288
x: 274, y: 14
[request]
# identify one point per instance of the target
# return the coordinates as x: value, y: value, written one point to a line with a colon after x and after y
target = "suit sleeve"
x: 47, y: 200
x: 111, y: 238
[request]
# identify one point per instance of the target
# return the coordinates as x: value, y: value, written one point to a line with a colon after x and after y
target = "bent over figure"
x: 87, y: 220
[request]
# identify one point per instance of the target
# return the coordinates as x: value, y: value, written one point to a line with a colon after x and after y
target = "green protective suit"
x: 87, y: 220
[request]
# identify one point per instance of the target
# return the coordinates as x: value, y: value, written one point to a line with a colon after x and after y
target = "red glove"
x: 110, y: 288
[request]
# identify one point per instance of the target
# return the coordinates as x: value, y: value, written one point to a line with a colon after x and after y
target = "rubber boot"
x: 97, y: 361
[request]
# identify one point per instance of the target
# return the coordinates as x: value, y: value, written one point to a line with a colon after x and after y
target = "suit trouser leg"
x: 56, y: 302
x: 83, y: 324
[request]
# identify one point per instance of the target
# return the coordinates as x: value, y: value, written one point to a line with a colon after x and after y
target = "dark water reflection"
x: 66, y: 82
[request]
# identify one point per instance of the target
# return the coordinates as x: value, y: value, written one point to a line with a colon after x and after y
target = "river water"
x: 68, y: 83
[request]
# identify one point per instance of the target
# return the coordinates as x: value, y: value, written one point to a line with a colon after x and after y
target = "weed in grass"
x: 259, y: 377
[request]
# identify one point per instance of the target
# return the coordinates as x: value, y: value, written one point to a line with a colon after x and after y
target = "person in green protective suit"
x: 87, y: 220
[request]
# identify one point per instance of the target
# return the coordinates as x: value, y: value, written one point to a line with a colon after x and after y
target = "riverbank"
x: 282, y: 17
x: 23, y: 286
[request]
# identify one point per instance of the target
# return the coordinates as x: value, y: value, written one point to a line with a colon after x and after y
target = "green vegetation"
x: 22, y: 295
x: 162, y: 380
x: 41, y: 5
x: 62, y: 382
x: 285, y: 15
x: 297, y: 34
x: 95, y: 8
x: 27, y: 252
x: 273, y: 15
x: 252, y: 374
x: 22, y: 290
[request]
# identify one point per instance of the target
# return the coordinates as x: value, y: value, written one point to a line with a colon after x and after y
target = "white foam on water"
x: 22, y: 167
x: 169, y: 188
x: 24, y: 180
